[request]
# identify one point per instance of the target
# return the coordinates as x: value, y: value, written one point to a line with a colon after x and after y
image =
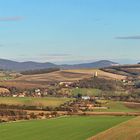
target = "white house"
x: 85, y: 97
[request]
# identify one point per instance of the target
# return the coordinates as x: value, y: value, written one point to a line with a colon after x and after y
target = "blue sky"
x: 65, y: 31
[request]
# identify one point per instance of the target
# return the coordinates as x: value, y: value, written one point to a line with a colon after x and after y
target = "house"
x: 38, y: 92
x: 21, y: 95
x: 65, y: 84
x: 14, y: 95
x: 85, y: 97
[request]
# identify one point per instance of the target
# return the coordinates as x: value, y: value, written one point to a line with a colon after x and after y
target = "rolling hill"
x: 126, y: 70
x: 23, y: 66
x: 30, y: 65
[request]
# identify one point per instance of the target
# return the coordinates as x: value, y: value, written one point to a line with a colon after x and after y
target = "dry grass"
x: 21, y: 84
x: 41, y: 80
x: 54, y: 76
x: 132, y: 105
x: 100, y: 73
x: 29, y: 101
x: 129, y: 130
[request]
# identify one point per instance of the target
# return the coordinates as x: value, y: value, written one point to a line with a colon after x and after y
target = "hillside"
x: 97, y: 64
x: 125, y: 70
x: 22, y: 66
x: 41, y: 80
x: 129, y: 130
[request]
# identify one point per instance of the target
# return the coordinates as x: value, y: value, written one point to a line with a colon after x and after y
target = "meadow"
x: 86, y: 91
x: 117, y: 106
x: 64, y: 128
x: 30, y: 101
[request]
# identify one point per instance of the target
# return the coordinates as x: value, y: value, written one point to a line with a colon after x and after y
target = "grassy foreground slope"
x: 129, y: 130
x: 65, y: 128
x: 30, y: 101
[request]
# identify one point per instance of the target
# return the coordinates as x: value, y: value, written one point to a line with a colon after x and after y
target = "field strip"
x: 128, y: 130
x: 35, y: 119
x: 84, y: 113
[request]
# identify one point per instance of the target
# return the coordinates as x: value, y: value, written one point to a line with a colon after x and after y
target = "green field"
x: 117, y: 106
x: 65, y: 128
x: 86, y: 91
x: 29, y: 101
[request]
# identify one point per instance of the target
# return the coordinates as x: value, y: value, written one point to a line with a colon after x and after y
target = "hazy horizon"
x: 123, y: 62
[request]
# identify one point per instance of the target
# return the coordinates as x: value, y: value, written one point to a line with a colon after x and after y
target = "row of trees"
x: 99, y: 83
x: 40, y: 71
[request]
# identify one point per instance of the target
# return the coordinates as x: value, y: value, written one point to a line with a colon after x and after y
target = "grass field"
x: 29, y: 101
x: 129, y: 130
x: 66, y: 128
x: 86, y: 91
x: 118, y: 106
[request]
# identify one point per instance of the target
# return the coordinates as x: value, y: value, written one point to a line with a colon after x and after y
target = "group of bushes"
x: 40, y: 71
x: 99, y: 83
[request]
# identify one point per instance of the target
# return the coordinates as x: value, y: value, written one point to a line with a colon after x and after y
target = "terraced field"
x: 65, y: 128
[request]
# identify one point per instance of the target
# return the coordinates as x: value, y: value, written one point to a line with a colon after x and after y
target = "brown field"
x: 68, y: 75
x: 21, y: 84
x: 42, y: 80
x: 132, y: 105
x: 129, y: 130
x: 53, y: 77
x: 100, y: 73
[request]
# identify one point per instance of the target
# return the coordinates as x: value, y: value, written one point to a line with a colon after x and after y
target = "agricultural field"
x: 29, y: 101
x: 101, y: 74
x: 118, y: 106
x: 6, y: 75
x: 64, y: 128
x: 57, y: 76
x: 42, y: 80
x: 126, y: 70
x: 22, y: 84
x: 86, y: 91
x: 129, y: 130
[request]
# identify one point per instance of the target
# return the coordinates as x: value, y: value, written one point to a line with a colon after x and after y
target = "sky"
x: 70, y: 31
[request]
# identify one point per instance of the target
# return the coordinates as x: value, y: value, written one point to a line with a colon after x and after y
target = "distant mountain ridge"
x: 97, y: 64
x: 30, y: 65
